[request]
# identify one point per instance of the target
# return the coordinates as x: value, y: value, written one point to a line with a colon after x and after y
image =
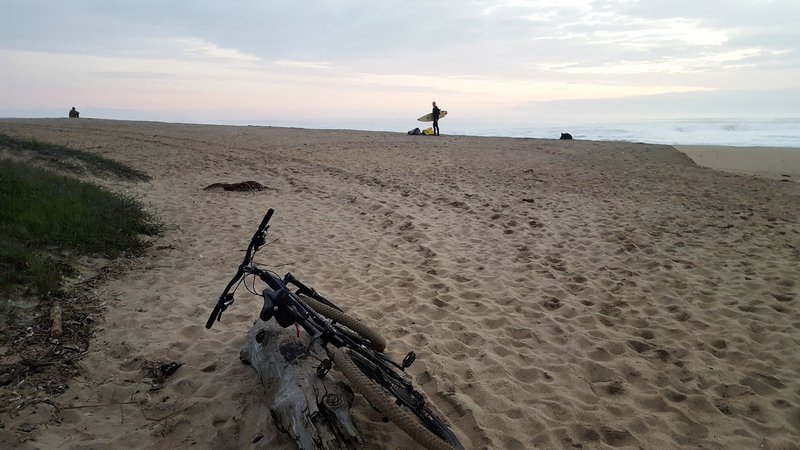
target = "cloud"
x: 517, y: 91
x: 701, y: 63
x: 322, y: 65
x: 640, y: 34
x: 199, y: 48
x: 132, y: 75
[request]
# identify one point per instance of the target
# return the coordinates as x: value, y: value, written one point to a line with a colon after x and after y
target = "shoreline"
x: 544, y: 131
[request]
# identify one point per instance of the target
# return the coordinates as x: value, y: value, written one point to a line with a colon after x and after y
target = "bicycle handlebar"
x: 226, y: 299
x: 299, y: 309
x: 265, y: 220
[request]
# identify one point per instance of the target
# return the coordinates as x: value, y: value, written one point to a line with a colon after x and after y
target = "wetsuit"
x: 436, y: 120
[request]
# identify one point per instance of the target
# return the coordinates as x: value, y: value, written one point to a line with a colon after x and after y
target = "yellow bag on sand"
x: 428, y: 131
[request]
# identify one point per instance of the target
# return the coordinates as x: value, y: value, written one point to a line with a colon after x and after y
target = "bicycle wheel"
x: 426, y: 427
x: 378, y: 342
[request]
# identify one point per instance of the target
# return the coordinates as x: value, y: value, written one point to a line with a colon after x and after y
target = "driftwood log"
x: 314, y: 411
x: 57, y: 327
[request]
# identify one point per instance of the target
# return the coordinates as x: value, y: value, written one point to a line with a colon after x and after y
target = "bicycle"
x: 355, y: 349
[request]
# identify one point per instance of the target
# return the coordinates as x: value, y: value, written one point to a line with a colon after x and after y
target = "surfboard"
x: 429, y: 117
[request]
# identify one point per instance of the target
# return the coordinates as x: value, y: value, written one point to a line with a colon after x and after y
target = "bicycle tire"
x: 402, y: 417
x: 399, y: 390
x: 377, y: 341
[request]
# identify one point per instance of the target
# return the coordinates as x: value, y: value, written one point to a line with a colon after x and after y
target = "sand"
x: 767, y: 162
x: 558, y: 294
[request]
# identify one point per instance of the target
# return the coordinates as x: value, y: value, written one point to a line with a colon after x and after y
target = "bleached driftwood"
x: 314, y: 411
x: 57, y: 328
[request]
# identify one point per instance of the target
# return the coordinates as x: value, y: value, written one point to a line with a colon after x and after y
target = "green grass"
x: 72, y: 160
x: 21, y: 268
x: 44, y: 215
x: 45, y: 209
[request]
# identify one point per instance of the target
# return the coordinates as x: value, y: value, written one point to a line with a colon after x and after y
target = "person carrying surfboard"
x: 435, y: 114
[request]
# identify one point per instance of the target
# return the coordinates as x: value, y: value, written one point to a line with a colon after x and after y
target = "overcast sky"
x: 250, y: 60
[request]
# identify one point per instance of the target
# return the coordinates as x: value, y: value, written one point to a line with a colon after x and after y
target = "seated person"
x: 73, y: 113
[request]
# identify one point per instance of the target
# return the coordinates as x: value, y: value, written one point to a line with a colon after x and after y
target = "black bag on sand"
x: 415, y: 132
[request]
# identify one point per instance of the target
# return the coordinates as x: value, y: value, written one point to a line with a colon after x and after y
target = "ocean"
x: 731, y: 132
x: 739, y: 132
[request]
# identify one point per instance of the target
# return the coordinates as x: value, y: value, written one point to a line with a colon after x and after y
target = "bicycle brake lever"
x: 408, y: 360
x: 260, y: 240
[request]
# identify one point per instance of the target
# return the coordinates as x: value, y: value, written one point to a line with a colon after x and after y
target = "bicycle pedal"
x: 409, y: 360
x: 323, y: 368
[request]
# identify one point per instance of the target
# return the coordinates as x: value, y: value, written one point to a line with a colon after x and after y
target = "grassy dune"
x: 45, y: 215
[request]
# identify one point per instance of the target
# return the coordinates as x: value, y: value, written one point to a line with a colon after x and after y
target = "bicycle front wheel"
x: 425, y: 427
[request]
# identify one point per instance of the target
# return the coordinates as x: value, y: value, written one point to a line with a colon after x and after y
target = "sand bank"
x: 559, y: 294
x: 768, y: 162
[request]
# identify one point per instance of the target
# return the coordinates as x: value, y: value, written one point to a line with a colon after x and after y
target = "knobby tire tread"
x: 378, y: 398
x: 377, y: 341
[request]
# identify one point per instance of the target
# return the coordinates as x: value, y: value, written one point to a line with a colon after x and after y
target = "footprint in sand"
x: 551, y: 303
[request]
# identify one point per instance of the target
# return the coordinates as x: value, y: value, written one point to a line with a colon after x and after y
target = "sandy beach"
x: 767, y: 162
x: 558, y: 294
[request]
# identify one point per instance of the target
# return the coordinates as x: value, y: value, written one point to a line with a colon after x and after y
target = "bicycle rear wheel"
x: 425, y: 427
x: 377, y: 341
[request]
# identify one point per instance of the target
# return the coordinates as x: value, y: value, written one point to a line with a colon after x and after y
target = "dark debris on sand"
x: 243, y: 186
x: 37, y: 366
